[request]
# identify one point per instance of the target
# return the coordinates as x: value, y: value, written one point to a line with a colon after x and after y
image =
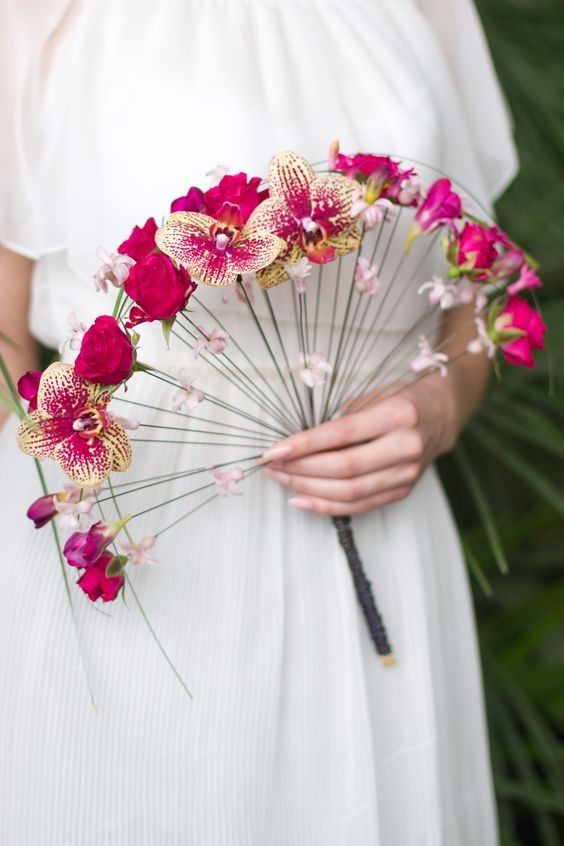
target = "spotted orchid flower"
x: 310, y: 212
x: 217, y: 250
x: 429, y: 359
x: 72, y: 426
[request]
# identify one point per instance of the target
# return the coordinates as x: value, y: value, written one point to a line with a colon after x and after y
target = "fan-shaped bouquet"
x: 330, y: 285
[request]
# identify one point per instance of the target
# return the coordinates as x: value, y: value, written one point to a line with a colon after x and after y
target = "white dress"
x: 296, y: 735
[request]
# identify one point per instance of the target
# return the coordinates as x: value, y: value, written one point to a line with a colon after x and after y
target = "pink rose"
x: 28, y: 387
x: 97, y: 585
x: 141, y: 241
x: 106, y: 354
x: 519, y: 316
x: 476, y: 247
x: 159, y: 288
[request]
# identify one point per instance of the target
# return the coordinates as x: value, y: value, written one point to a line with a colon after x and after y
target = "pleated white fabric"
x: 296, y: 735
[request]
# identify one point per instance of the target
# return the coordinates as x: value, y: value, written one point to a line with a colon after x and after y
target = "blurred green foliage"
x: 506, y: 478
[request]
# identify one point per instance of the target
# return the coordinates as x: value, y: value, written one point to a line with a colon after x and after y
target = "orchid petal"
x: 39, y: 437
x: 116, y: 439
x: 332, y: 196
x: 61, y: 391
x: 289, y: 179
x: 86, y: 462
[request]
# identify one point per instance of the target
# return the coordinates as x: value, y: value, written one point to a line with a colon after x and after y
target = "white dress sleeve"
x: 32, y: 157
x: 458, y: 30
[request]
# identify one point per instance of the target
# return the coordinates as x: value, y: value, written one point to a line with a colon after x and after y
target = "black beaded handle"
x: 363, y: 588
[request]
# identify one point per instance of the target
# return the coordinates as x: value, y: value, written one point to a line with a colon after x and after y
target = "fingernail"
x: 278, y: 475
x: 300, y: 502
x: 281, y: 451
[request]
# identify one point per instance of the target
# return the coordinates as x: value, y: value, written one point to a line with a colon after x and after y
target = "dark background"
x: 506, y: 478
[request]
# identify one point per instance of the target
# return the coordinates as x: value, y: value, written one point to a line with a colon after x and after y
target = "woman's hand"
x: 370, y: 457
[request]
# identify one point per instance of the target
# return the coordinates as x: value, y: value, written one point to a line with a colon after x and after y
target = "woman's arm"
x: 375, y: 456
x: 15, y: 291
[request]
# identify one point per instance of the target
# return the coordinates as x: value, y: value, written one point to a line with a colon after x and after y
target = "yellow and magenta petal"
x: 290, y: 177
x: 332, y: 198
x: 86, y: 462
x: 38, y: 436
x: 116, y: 439
x: 61, y: 391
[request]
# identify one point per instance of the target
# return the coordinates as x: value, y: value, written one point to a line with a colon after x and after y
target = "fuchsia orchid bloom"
x: 216, y: 250
x: 72, y: 426
x: 312, y: 214
x: 440, y: 207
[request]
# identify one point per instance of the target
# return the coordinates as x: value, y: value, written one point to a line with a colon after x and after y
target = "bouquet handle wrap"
x: 363, y: 589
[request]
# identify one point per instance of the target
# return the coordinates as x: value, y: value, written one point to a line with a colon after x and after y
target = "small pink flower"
x: 127, y: 423
x: 74, y: 340
x: 226, y: 480
x: 137, y: 552
x: 483, y: 342
x: 214, y: 341
x: 440, y: 293
x: 411, y: 191
x: 312, y: 369
x: 188, y: 397
x: 366, y: 279
x: 528, y: 280
x: 298, y: 272
x: 428, y: 359
x: 442, y: 206
x: 113, y: 271
x: 73, y: 511
x: 371, y: 211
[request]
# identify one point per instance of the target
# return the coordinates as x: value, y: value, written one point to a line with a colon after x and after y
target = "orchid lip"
x: 89, y: 422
